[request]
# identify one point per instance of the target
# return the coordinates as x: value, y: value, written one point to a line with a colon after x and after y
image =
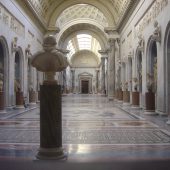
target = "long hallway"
x: 94, y: 130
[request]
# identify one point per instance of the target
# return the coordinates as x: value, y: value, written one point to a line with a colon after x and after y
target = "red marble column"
x: 50, y: 123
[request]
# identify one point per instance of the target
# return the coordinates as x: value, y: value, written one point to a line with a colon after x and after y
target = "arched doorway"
x: 151, y: 77
x: 130, y: 77
x: 167, y: 70
x: 18, y: 84
x: 139, y: 70
x: 4, y: 91
x: 2, y: 95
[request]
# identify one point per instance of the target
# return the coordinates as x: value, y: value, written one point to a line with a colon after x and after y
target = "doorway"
x: 84, y: 86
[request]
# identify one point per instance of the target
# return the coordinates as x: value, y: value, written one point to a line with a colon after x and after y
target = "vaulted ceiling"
x: 109, y: 12
x: 82, y: 23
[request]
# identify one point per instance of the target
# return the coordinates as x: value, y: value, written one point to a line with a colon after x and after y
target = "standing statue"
x: 1, y: 82
x: 17, y: 86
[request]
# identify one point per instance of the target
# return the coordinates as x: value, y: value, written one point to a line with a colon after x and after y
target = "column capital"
x: 103, y: 52
x: 52, y: 30
x: 65, y: 52
x: 110, y: 30
x: 72, y: 69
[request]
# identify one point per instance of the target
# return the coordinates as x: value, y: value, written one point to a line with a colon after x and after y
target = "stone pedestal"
x: 19, y: 100
x: 32, y: 97
x: 126, y: 97
x: 50, y: 123
x: 149, y: 103
x: 135, y: 99
x: 2, y: 103
x: 120, y: 95
x: 38, y: 95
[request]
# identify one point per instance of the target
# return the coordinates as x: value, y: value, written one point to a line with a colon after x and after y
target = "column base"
x: 168, y: 122
x: 126, y: 104
x: 32, y: 104
x: 135, y: 107
x: 19, y: 107
x: 110, y: 98
x: 3, y: 111
x: 51, y: 154
x: 150, y: 112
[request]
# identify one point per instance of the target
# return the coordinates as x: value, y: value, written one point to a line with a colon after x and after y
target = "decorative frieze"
x: 9, y: 20
x: 150, y: 15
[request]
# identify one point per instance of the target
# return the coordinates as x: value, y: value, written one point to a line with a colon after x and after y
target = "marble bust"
x: 49, y: 60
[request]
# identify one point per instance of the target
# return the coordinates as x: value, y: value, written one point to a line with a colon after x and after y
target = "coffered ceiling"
x: 106, y: 12
x: 81, y: 22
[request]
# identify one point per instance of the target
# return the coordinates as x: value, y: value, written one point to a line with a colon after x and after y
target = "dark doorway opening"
x: 85, y: 86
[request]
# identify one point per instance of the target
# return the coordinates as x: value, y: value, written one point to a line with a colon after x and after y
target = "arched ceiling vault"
x: 86, y: 28
x: 71, y: 37
x: 47, y: 11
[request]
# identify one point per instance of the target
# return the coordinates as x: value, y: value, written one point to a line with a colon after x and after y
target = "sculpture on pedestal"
x: 50, y: 61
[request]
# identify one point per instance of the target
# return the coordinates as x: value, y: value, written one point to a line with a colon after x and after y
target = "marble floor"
x: 94, y: 130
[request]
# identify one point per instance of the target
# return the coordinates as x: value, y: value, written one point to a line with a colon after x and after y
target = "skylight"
x: 83, y: 42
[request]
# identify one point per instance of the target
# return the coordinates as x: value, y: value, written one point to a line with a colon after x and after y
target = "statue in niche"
x: 140, y: 77
x: 17, y: 86
x: 14, y: 44
x: 140, y: 43
x: 28, y: 51
x: 157, y: 32
x: 31, y: 87
x: 136, y: 83
x: 155, y: 74
x: 1, y: 82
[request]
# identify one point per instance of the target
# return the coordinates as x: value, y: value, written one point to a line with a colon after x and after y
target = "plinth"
x: 120, y: 95
x: 32, y: 97
x: 2, y: 102
x: 50, y: 123
x: 126, y: 97
x: 150, y: 103
x: 135, y: 99
x: 19, y: 100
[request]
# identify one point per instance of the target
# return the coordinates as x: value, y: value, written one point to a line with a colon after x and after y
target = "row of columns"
x: 109, y: 55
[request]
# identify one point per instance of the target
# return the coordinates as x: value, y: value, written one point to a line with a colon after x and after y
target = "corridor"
x: 94, y: 130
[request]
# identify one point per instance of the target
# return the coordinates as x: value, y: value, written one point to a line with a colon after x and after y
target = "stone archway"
x: 4, y: 74
x: 18, y: 78
x: 130, y: 73
x: 167, y: 70
x: 151, y: 77
x: 139, y: 70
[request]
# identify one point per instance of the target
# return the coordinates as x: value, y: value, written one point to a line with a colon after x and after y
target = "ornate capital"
x: 110, y: 30
x: 103, y: 52
x: 65, y: 52
x: 52, y: 30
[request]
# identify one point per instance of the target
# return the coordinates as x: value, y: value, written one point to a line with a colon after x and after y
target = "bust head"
x: 49, y: 43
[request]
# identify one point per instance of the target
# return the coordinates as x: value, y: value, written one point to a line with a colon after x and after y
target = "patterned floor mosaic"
x: 92, y: 127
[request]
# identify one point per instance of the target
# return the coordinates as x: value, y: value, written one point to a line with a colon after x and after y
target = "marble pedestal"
x: 2, y: 103
x: 19, y: 100
x: 150, y: 103
x: 50, y: 123
x: 135, y: 99
x: 32, y: 97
